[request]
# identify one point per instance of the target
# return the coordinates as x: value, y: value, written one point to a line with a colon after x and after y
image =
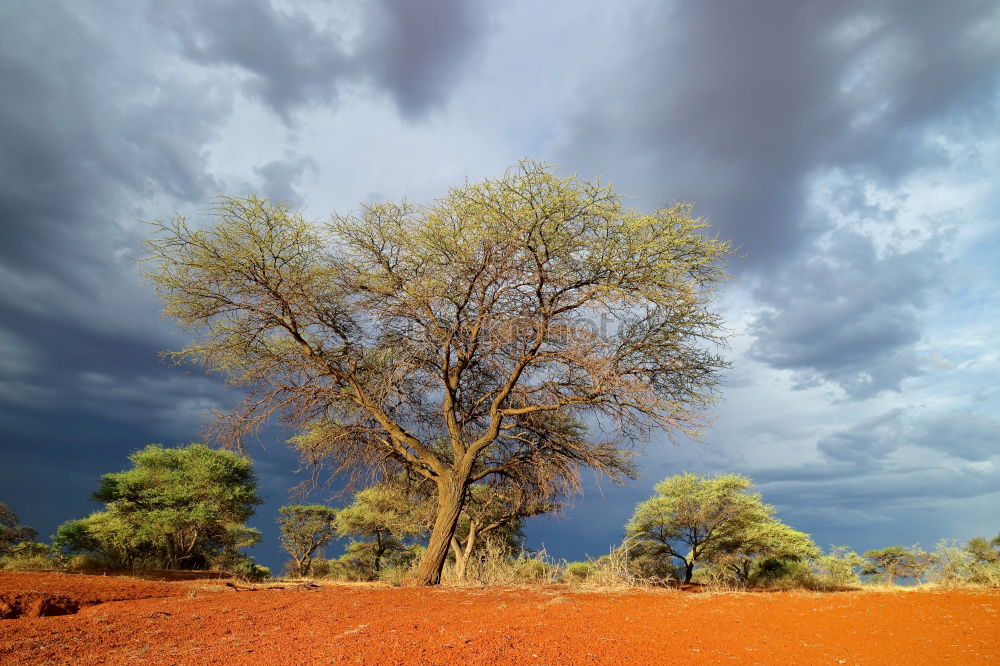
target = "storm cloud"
x: 849, y: 149
x: 291, y: 58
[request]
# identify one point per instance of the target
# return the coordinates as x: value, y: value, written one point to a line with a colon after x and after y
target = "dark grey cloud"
x: 92, y: 134
x: 869, y: 441
x: 845, y: 315
x: 413, y: 51
x: 742, y: 106
x: 71, y: 151
x: 280, y: 176
x: 880, y: 489
x: 889, y: 468
x: 738, y: 105
x: 961, y: 433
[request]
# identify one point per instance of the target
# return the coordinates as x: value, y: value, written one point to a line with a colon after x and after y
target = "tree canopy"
x: 468, y: 339
x: 382, y: 521
x: 985, y: 551
x: 714, y: 519
x: 12, y: 532
x: 494, y: 513
x: 889, y: 563
x: 176, y: 508
x: 305, y: 529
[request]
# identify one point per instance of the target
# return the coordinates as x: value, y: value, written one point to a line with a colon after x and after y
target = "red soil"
x: 200, y: 622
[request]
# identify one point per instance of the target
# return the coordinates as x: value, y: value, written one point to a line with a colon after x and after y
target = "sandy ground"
x: 113, y: 620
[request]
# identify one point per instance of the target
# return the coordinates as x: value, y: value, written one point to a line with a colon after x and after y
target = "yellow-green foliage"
x: 838, y: 568
x: 27, y: 556
x: 578, y: 572
x: 180, y: 507
x: 305, y: 529
x: 717, y: 521
x: 972, y: 565
x: 455, y: 339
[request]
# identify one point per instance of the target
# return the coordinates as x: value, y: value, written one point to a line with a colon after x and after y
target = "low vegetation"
x: 186, y: 508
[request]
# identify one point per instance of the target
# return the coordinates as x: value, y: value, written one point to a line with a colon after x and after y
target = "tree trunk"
x: 688, y: 571
x: 450, y: 495
x: 460, y: 560
x: 379, y: 552
x: 462, y: 553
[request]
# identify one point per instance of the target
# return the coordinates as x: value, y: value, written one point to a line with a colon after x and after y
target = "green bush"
x: 838, y: 568
x: 86, y: 562
x: 320, y: 568
x: 249, y: 570
x: 346, y: 569
x: 28, y: 556
x: 962, y: 567
x: 531, y: 568
x: 578, y: 572
x: 784, y: 573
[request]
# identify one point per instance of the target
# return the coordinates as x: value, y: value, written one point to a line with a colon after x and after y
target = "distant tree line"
x: 187, y: 507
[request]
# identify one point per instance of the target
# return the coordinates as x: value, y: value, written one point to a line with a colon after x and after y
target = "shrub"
x: 86, y: 562
x: 623, y: 566
x: 28, y: 556
x: 346, y: 568
x: 492, y: 565
x: 959, y: 567
x: 396, y: 574
x: 249, y: 570
x: 578, y: 572
x: 784, y: 573
x: 838, y: 568
x: 530, y: 569
x: 772, y: 572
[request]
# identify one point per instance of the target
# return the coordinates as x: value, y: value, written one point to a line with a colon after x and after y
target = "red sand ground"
x: 123, y: 620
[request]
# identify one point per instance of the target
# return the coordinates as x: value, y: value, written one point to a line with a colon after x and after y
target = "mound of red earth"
x: 48, y: 594
x: 124, y: 620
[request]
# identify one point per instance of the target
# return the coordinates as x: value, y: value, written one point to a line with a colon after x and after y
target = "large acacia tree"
x: 471, y: 338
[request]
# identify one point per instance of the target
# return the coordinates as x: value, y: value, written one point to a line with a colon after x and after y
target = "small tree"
x: 12, y: 532
x: 888, y: 563
x: 304, y: 530
x: 467, y: 339
x: 839, y: 567
x: 493, y: 512
x: 920, y: 564
x: 176, y: 508
x: 381, y: 521
x: 983, y: 550
x: 760, y: 549
x: 693, y: 519
x: 972, y: 564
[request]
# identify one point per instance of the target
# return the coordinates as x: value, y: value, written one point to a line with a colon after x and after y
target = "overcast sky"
x: 850, y: 149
